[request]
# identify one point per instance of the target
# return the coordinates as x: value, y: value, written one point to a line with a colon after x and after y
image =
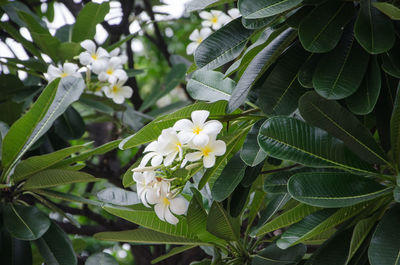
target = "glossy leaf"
x: 118, y: 196
x: 364, y: 100
x: 14, y: 251
x: 265, y: 8
x: 391, y: 61
x: 55, y: 177
x: 222, y: 225
x: 272, y: 255
x: 343, y: 75
x: 388, y: 9
x: 251, y: 153
x: 195, y: 5
x: 251, y: 174
x: 101, y: 259
x: 334, y: 189
x: 25, y: 222
x: 70, y: 125
x: 257, y: 23
x: 174, y: 251
x: 307, y: 70
x: 395, y: 129
x: 222, y: 46
x: 239, y: 197
x: 210, y: 86
x: 337, y: 121
x: 291, y: 139
x: 275, y: 203
x: 321, y: 30
x: 373, y: 30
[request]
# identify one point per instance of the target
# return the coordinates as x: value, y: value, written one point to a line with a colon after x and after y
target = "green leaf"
x: 297, y: 16
x: 373, y: 30
x: 230, y: 177
x: 146, y: 236
x: 385, y: 245
x: 14, y: 251
x: 265, y: 8
x: 148, y: 219
x: 25, y: 222
x: 195, y: 5
x: 364, y: 100
x: 68, y: 197
x: 291, y: 139
x: 222, y: 46
x: 275, y: 203
x: 279, y: 93
x: 87, y: 19
x: 68, y: 50
x: 151, y: 131
x: 257, y: 23
x: 391, y: 61
x: 56, y: 177
x: 221, y: 224
x: 343, y: 75
x: 272, y: 255
x: 118, y: 196
x: 35, y: 164
x: 56, y: 248
x: 388, y: 9
x: 70, y: 125
x: 257, y: 67
x: 172, y: 252
x: 210, y: 86
x: 238, y: 200
x: 340, y: 123
x: 53, y: 101
x: 251, y: 174
x: 287, y: 218
x: 321, y: 30
x: 101, y: 259
x: 395, y: 129
x: 334, y: 189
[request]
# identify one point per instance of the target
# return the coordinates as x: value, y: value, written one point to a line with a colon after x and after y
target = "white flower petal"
x: 85, y: 58
x: 120, y: 74
x: 102, y: 53
x: 157, y: 160
x: 114, y: 52
x: 194, y: 156
x: 205, y: 32
x: 185, y: 136
x: 219, y: 148
x: 199, y: 117
x: 183, y: 125
x: 70, y: 68
x: 179, y: 205
x: 205, y: 15
x: 212, y: 127
x: 152, y: 196
x: 126, y: 91
x: 170, y: 158
x: 151, y: 147
x: 195, y: 35
x: 53, y: 72
x: 209, y: 161
x: 102, y: 76
x: 160, y: 211
x: 191, y: 48
x: 200, y: 139
x: 169, y: 217
x: 147, y: 158
x: 206, y: 23
x: 118, y: 99
x: 99, y: 66
x: 234, y: 13
x: 89, y: 45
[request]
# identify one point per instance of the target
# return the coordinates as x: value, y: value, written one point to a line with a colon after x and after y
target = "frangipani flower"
x: 197, y: 37
x: 144, y: 185
x: 68, y: 69
x: 155, y: 155
x: 214, y: 19
x: 198, y: 130
x: 234, y: 13
x: 208, y: 153
x: 97, y: 59
x: 113, y: 71
x: 171, y: 145
x: 117, y: 91
x: 122, y: 57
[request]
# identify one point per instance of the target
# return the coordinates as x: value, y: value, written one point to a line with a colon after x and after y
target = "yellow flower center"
x: 63, y: 74
x: 199, y: 40
x: 165, y: 201
x: 94, y: 56
x: 115, y: 89
x: 214, y: 20
x: 177, y: 145
x: 110, y: 71
x: 197, y: 130
x: 97, y: 89
x: 206, y: 151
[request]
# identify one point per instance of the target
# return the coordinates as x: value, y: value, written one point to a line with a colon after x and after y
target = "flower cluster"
x: 214, y: 19
x: 186, y: 142
x: 108, y: 66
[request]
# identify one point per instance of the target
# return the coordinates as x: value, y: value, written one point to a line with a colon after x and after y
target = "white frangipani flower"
x: 234, y: 13
x: 171, y: 145
x: 68, y: 69
x: 214, y: 19
x: 113, y: 71
x: 122, y: 57
x: 208, y: 153
x: 144, y: 185
x: 198, y: 130
x: 197, y: 37
x: 97, y: 59
x: 155, y: 154
x: 117, y: 91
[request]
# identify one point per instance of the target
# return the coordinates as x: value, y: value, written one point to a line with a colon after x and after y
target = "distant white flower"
x: 113, y: 71
x: 68, y: 69
x: 117, y: 91
x: 234, y: 13
x: 197, y: 130
x: 97, y: 59
x: 208, y: 153
x: 155, y: 154
x: 122, y: 57
x: 214, y: 19
x: 144, y: 185
x: 171, y: 145
x: 197, y: 37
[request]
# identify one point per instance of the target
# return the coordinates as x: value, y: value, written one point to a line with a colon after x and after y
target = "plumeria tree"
x: 235, y: 132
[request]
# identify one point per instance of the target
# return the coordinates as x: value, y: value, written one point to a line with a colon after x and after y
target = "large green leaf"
x: 221, y: 224
x: 199, y: 5
x: 364, y: 100
x: 210, y: 86
x: 68, y: 197
x: 35, y: 164
x: 391, y: 61
x: 53, y: 101
x: 307, y: 70
x: 230, y: 177
x: 321, y: 30
x: 395, y: 129
x: 388, y: 9
x: 272, y: 255
x: 146, y: 236
x: 258, y: 22
x: 148, y: 219
x: 118, y: 196
x: 265, y: 8
x: 56, y: 248
x: 334, y: 189
x: 14, y: 251
x: 222, y: 46
x: 275, y: 203
x: 251, y: 153
x: 56, y: 177
x: 257, y: 66
x: 174, y: 251
x: 25, y: 222
x: 373, y: 30
x: 385, y: 245
x: 87, y: 19
x: 339, y: 122
x: 279, y: 93
x: 291, y: 139
x: 151, y: 131
x: 344, y: 73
